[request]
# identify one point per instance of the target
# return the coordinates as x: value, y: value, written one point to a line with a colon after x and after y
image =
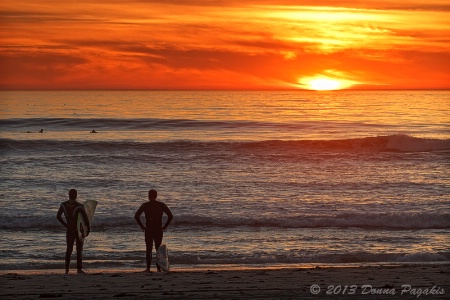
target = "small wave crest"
x: 398, y: 143
x: 299, y: 258
x: 398, y: 221
x: 402, y: 221
x: 406, y: 143
x: 104, y: 260
x: 285, y: 258
x: 141, y: 124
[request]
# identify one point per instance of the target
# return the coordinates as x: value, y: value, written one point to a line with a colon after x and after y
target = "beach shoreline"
x: 410, y: 281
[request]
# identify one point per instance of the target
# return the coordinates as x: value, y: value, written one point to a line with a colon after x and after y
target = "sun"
x: 324, y: 83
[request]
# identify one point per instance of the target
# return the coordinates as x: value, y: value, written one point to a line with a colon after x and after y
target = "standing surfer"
x: 153, y: 211
x: 70, y: 209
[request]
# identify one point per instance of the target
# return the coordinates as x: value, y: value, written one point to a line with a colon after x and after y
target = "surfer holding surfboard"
x: 71, y: 210
x: 153, y: 211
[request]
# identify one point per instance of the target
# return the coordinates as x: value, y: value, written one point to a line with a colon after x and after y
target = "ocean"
x: 253, y: 178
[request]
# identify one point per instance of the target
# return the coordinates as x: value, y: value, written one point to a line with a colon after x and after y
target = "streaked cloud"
x: 223, y: 44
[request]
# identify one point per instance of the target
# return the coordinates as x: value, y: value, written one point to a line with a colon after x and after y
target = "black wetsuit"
x: 153, y: 211
x: 70, y: 210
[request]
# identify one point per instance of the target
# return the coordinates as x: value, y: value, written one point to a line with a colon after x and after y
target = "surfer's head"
x: 152, y: 194
x: 73, y: 194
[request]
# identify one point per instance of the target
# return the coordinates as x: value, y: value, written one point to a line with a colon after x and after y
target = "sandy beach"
x: 365, y: 282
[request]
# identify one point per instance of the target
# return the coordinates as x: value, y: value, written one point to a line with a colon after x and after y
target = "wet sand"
x: 429, y: 281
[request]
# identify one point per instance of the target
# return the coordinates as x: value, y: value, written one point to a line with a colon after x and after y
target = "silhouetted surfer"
x: 70, y: 209
x: 93, y: 131
x: 153, y: 211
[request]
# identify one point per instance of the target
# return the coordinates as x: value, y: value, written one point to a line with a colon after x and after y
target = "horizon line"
x: 224, y: 89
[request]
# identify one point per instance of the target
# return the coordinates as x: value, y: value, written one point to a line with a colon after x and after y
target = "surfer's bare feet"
x: 81, y: 271
x: 147, y: 271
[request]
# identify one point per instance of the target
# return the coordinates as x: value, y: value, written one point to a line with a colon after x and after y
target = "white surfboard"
x: 162, y: 258
x: 82, y: 228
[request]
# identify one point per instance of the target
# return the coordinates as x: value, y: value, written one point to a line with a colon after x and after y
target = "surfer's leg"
x: 70, y: 239
x: 79, y: 253
x: 158, y: 236
x: 149, y: 248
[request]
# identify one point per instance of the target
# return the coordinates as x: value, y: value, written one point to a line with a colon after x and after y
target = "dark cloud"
x: 35, y: 69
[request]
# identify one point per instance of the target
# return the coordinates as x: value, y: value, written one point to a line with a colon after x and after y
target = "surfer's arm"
x: 137, y: 217
x: 169, y: 216
x: 59, y: 216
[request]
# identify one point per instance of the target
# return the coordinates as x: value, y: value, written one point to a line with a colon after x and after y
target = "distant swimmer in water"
x: 93, y: 131
x: 41, y: 131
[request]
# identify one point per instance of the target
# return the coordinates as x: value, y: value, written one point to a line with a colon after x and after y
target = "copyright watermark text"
x: 368, y: 289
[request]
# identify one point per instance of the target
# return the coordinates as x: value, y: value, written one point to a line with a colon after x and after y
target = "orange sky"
x: 214, y: 44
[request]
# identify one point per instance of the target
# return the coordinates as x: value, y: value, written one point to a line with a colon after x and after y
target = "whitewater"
x: 253, y: 178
